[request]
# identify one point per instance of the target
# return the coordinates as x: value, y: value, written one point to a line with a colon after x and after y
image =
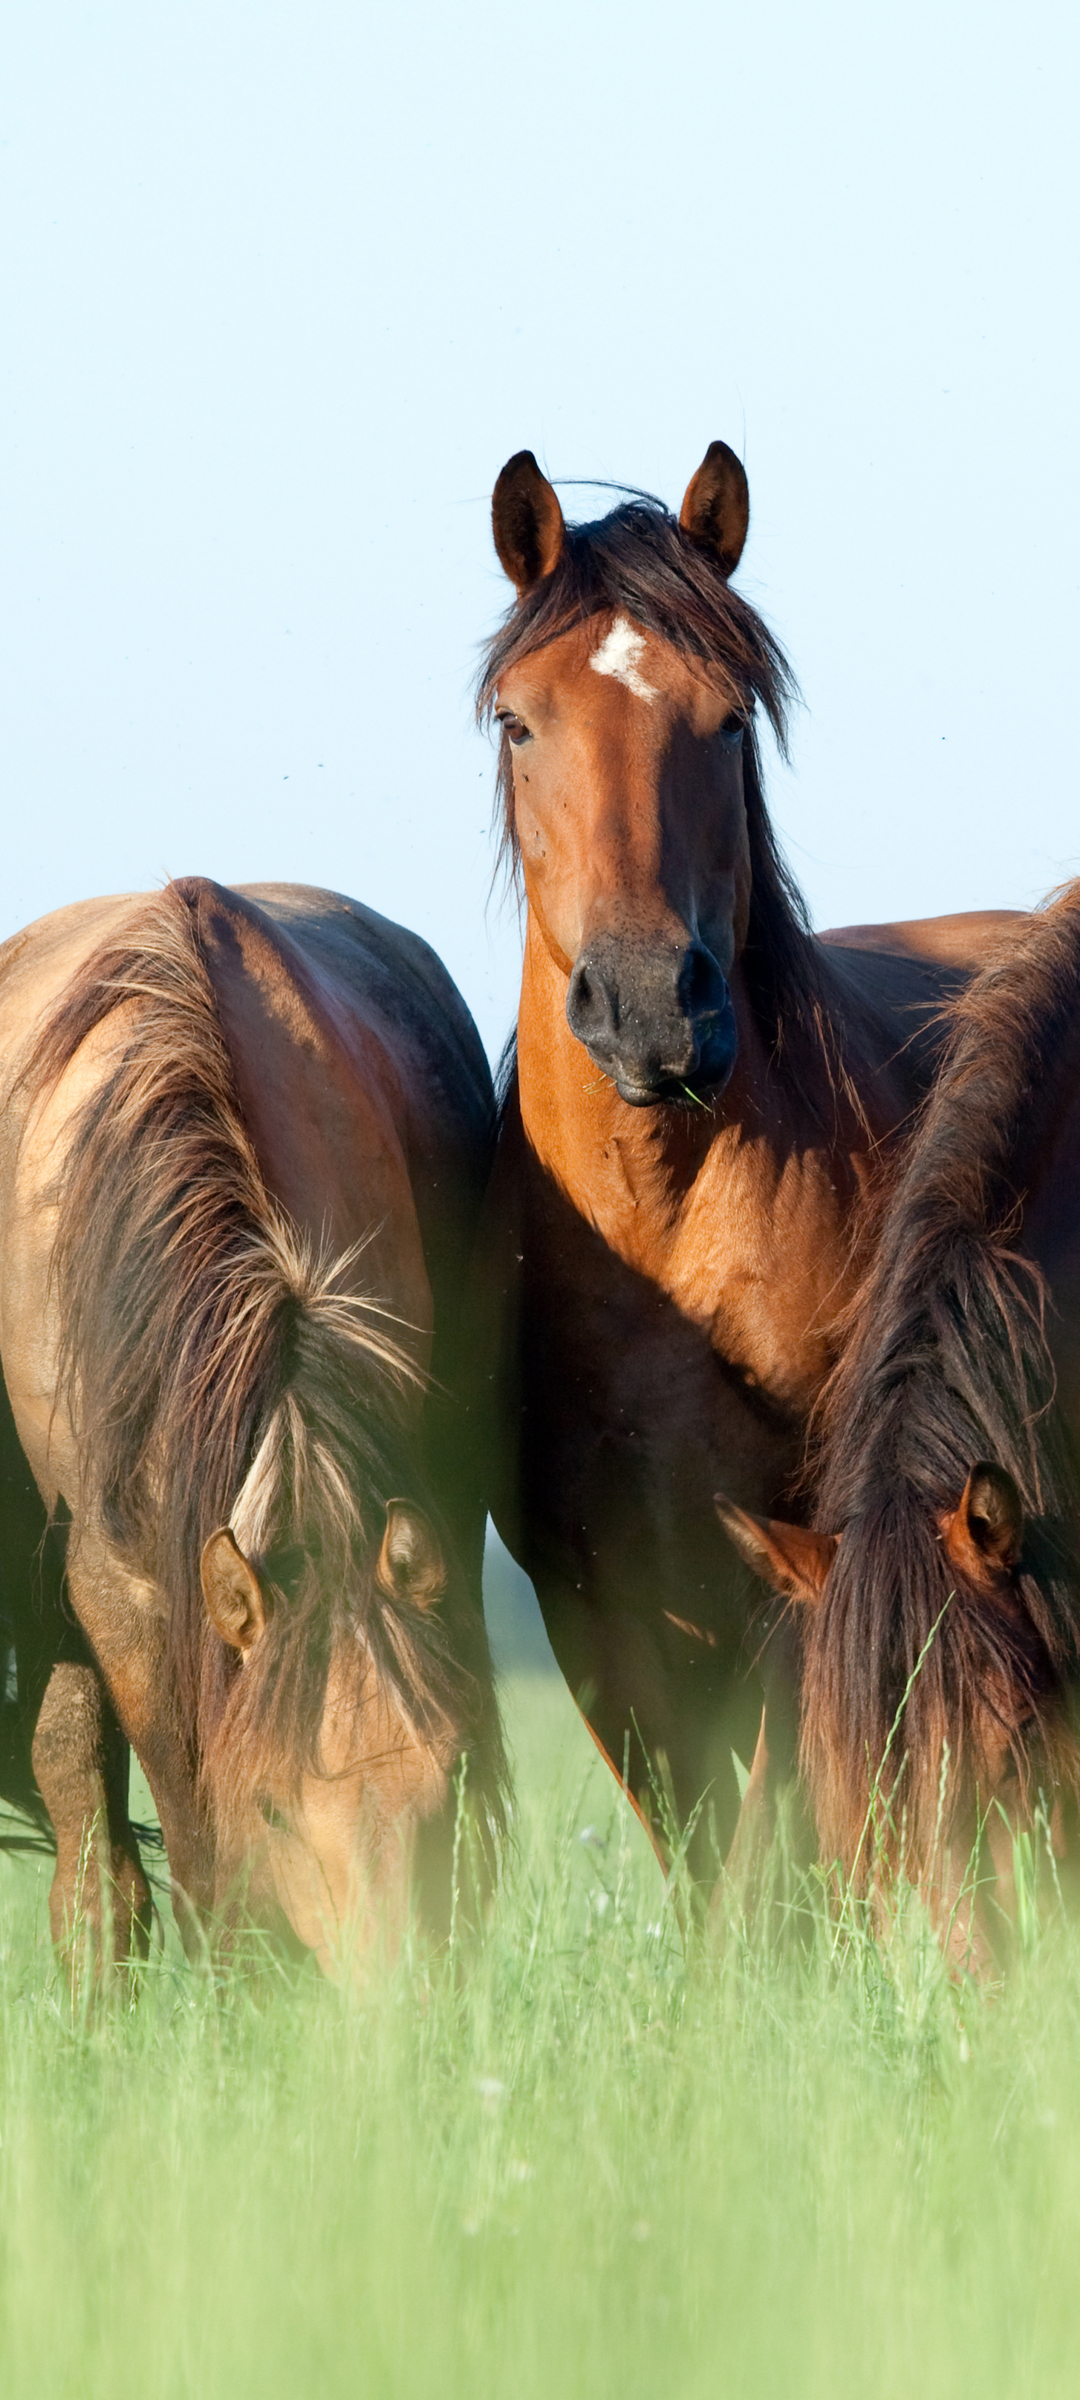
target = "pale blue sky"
x: 284, y: 285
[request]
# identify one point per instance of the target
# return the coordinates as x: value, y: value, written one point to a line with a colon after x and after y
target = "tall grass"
x: 581, y: 2166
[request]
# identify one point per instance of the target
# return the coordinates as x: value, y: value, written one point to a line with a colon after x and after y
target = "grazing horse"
x: 942, y: 1616
x: 243, y: 1140
x: 703, y: 1098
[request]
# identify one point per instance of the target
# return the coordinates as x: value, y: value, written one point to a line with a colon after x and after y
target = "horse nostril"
x: 702, y: 988
x: 591, y: 1003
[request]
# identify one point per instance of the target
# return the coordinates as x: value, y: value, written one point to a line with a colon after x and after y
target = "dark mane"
x: 948, y: 1365
x: 639, y: 560
x: 218, y: 1370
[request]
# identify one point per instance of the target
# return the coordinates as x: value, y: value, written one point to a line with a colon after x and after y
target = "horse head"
x: 331, y: 1769
x: 976, y: 1723
x: 625, y: 739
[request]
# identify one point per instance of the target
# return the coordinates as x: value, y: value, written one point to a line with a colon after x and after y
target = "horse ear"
x: 527, y: 522
x: 716, y: 510
x: 792, y: 1558
x: 987, y: 1530
x: 232, y: 1592
x: 411, y: 1565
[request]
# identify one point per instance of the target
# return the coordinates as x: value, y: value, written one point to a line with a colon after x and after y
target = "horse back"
x: 907, y: 974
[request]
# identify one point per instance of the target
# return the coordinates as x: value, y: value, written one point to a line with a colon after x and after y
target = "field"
x: 582, y: 2166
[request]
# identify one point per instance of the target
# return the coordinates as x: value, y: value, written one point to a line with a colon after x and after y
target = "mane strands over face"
x: 638, y: 565
x: 218, y: 1370
x: 949, y: 1364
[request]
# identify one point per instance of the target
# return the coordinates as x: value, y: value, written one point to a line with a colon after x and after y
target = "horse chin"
x: 717, y: 1048
x: 685, y: 1093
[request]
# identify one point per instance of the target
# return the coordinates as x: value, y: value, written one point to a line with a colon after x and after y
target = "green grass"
x: 582, y: 2168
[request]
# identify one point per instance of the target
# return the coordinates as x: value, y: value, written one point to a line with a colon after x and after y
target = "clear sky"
x: 282, y: 287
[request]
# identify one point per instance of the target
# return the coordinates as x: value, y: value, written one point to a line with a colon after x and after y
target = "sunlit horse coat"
x: 243, y: 1138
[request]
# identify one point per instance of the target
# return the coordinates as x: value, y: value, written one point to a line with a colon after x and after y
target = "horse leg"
x: 126, y: 1632
x: 80, y: 1759
x: 757, y: 1860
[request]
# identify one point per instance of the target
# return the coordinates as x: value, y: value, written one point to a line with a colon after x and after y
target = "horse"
x: 940, y: 1607
x: 243, y: 1140
x: 702, y: 1102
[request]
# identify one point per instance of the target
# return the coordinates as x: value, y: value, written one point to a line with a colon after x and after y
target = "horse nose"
x: 657, y: 1019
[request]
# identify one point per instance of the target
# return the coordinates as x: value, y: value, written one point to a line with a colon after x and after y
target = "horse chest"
x: 686, y: 1303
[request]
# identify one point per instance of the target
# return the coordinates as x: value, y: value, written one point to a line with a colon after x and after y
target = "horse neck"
x: 752, y: 1209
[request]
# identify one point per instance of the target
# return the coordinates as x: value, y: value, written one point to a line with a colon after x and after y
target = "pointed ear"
x: 716, y: 510
x: 411, y: 1565
x: 987, y: 1530
x: 792, y: 1558
x: 527, y: 522
x: 232, y: 1592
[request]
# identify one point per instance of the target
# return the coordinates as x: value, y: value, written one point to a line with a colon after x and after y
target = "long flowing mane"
x: 949, y: 1364
x: 639, y: 561
x: 217, y: 1369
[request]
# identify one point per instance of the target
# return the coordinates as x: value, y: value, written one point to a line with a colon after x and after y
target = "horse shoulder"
x: 36, y: 965
x: 444, y: 1105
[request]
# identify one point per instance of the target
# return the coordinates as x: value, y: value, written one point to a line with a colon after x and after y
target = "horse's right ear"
x: 232, y: 1592
x: 792, y: 1558
x: 986, y: 1533
x: 527, y: 523
x: 716, y: 510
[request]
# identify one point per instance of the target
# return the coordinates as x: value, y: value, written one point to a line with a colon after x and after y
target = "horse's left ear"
x: 792, y: 1558
x: 987, y: 1530
x: 527, y: 523
x: 716, y: 510
x: 411, y: 1565
x: 232, y: 1592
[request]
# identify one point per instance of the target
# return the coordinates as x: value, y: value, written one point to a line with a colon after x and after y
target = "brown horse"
x: 704, y: 1096
x: 243, y: 1140
x: 943, y: 1637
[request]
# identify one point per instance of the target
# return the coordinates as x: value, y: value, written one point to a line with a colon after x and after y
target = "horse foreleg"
x: 770, y: 1834
x: 127, y: 1637
x: 100, y: 1899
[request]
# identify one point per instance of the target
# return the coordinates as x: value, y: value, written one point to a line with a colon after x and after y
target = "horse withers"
x: 941, y: 1601
x: 243, y: 1140
x: 704, y: 1099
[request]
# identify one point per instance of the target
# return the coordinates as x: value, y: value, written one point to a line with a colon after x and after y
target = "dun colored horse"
x: 942, y: 1635
x: 243, y: 1141
x: 704, y: 1097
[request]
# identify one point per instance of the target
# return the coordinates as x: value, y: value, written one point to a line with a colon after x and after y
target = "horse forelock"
x: 218, y: 1367
x: 947, y: 1363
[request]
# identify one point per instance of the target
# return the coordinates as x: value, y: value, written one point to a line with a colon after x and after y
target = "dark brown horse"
x: 943, y: 1632
x: 704, y: 1096
x: 243, y: 1140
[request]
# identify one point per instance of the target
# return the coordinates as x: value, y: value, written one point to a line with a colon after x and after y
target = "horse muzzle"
x: 658, y: 1021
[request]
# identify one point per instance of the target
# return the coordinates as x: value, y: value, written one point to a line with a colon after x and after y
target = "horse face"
x: 629, y: 809
x: 326, y: 1856
x: 628, y: 801
x: 334, y: 1858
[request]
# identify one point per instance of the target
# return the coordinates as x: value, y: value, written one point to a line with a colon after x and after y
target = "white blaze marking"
x: 618, y: 656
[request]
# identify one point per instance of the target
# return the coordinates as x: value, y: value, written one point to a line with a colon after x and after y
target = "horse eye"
x: 734, y: 727
x: 517, y: 732
x: 272, y: 1816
